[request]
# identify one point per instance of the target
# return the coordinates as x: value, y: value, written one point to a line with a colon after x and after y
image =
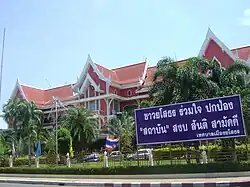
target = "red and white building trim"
x: 106, y: 92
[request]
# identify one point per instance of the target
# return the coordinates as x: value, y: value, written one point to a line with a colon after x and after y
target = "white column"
x: 11, y: 161
x: 204, y: 155
x: 105, y: 160
x: 88, y: 97
x: 108, y: 103
x: 37, y: 161
x: 95, y: 100
x: 150, y: 158
x: 68, y: 160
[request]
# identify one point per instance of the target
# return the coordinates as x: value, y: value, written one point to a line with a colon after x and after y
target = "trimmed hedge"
x: 215, y: 152
x: 22, y: 161
x: 170, y: 169
x: 211, y: 148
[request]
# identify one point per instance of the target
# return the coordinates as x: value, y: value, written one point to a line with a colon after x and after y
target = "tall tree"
x: 173, y: 83
x: 64, y: 135
x: 26, y: 118
x: 146, y: 104
x: 123, y: 128
x: 84, y: 127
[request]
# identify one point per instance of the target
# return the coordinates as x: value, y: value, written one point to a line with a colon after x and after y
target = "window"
x: 116, y: 106
x: 130, y: 109
x: 115, y: 92
x: 129, y: 92
x: 97, y: 105
x: 216, y: 60
x: 92, y: 105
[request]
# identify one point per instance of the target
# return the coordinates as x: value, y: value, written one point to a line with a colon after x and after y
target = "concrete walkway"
x: 177, y: 182
x: 158, y: 176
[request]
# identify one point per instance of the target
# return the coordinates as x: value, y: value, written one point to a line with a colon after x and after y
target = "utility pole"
x: 1, y: 71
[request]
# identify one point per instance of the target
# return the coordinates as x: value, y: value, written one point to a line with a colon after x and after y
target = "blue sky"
x: 51, y: 39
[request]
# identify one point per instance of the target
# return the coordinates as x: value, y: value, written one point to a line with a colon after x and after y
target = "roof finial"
x: 89, y: 58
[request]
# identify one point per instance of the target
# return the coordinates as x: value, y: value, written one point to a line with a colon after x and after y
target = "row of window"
x: 129, y: 108
x: 94, y: 105
x: 128, y: 93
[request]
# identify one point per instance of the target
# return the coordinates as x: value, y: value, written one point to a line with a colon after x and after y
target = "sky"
x: 50, y: 40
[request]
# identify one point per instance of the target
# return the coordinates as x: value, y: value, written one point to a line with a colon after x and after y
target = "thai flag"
x: 38, y: 149
x: 111, y: 143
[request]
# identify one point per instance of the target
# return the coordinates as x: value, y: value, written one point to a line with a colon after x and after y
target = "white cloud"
x: 246, y: 19
x: 247, y: 12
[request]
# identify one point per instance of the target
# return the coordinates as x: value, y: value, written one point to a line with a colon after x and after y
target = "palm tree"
x: 123, y: 128
x: 11, y: 113
x: 26, y: 118
x: 83, y: 126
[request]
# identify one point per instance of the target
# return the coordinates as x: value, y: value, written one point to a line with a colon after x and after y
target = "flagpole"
x: 1, y: 71
x: 56, y: 133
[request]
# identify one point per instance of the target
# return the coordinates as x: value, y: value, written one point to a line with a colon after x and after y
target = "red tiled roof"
x: 124, y: 75
x: 44, y: 97
x: 243, y: 52
x: 151, y: 71
x: 107, y: 73
x: 33, y: 94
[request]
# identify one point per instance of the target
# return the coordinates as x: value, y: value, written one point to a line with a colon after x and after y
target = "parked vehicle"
x: 115, y: 155
x: 92, y: 158
x: 141, y: 154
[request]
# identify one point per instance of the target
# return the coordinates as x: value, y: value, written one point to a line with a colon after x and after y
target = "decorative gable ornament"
x: 211, y: 36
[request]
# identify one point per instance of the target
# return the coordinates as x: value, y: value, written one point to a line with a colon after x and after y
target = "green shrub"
x: 133, y: 170
x: 211, y: 148
x: 24, y: 161
x: 4, y: 162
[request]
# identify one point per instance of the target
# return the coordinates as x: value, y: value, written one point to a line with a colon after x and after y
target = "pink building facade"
x: 107, y: 92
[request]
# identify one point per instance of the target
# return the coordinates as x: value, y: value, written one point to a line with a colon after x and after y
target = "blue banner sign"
x: 215, y: 118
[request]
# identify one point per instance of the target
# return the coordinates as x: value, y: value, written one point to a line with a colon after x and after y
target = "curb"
x: 159, y: 176
x: 137, y: 184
